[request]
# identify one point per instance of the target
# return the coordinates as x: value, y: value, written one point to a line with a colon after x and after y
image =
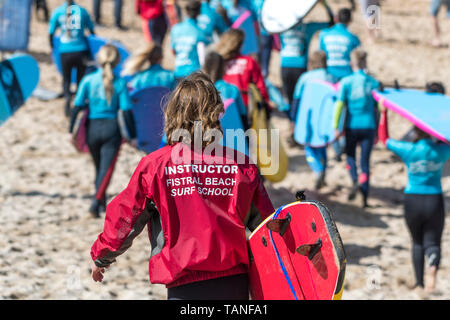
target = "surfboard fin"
x: 310, y: 250
x: 300, y: 195
x: 279, y: 225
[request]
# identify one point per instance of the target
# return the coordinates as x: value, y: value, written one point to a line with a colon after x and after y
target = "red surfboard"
x: 297, y: 254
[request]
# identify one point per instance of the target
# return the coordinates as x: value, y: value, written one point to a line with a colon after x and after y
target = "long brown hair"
x: 147, y: 56
x: 108, y: 57
x: 214, y: 66
x: 195, y: 101
x: 230, y: 43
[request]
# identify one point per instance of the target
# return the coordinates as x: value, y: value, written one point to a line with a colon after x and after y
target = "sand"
x: 45, y: 185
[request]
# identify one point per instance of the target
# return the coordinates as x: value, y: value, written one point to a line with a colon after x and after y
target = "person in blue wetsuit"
x: 187, y: 41
x: 107, y: 99
x: 214, y: 67
x: 338, y: 43
x: 210, y: 21
x: 355, y: 94
x: 315, y: 157
x: 145, y: 66
x: 294, y: 51
x: 423, y: 201
x: 73, y: 20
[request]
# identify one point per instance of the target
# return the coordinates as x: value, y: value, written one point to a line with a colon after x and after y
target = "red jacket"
x: 149, y: 9
x: 198, y: 230
x: 242, y: 71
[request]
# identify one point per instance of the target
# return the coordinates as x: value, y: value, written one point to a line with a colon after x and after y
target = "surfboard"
x: 233, y: 129
x: 315, y: 115
x: 95, y: 43
x: 268, y: 150
x: 277, y: 97
x: 79, y: 133
x: 149, y: 117
x: 19, y: 75
x: 280, y: 15
x: 430, y: 112
x: 246, y: 23
x: 297, y: 254
x: 15, y: 17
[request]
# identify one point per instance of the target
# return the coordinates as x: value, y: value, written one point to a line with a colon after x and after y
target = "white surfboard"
x: 281, y: 15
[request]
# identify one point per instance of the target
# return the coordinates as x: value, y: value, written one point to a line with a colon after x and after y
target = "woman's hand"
x: 97, y: 273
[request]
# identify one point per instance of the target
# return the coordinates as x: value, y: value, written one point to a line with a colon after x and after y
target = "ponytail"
x: 147, y: 56
x: 108, y: 58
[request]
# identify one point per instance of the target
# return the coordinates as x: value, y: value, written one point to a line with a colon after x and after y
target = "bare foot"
x: 436, y: 43
x: 431, y: 280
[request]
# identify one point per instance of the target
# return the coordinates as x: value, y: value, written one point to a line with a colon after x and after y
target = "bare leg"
x: 437, y: 32
x: 431, y: 281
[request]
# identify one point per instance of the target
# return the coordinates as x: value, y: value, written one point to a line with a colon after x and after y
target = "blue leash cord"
x: 283, y: 268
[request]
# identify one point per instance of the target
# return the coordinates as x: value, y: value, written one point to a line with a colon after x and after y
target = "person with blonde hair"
x: 145, y: 66
x: 195, y: 197
x: 355, y: 94
x: 240, y: 70
x: 105, y: 96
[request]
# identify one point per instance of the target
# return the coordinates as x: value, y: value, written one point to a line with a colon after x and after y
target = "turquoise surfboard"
x: 233, y: 129
x: 149, y: 117
x: 19, y: 76
x: 95, y: 43
x: 246, y: 23
x: 277, y: 97
x: 430, y: 112
x: 315, y: 115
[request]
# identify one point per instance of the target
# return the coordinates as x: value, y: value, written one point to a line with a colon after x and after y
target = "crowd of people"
x: 210, y: 68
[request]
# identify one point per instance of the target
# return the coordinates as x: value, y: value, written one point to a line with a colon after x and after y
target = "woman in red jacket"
x: 154, y: 21
x: 196, y: 197
x: 240, y: 70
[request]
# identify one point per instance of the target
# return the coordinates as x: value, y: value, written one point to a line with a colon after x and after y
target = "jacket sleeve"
x: 261, y: 199
x: 126, y: 216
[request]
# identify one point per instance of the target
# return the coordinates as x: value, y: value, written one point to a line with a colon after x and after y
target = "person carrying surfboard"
x: 105, y: 96
x: 295, y: 49
x: 241, y: 70
x: 423, y: 198
x: 338, y: 43
x: 188, y: 42
x: 435, y: 7
x: 196, y: 203
x: 73, y: 20
x: 145, y: 67
x: 355, y: 94
x: 315, y: 157
x: 214, y: 67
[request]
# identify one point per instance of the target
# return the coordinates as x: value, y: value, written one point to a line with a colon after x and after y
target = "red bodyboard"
x: 306, y: 262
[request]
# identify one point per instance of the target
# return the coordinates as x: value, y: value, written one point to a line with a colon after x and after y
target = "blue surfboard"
x: 233, y: 129
x: 149, y: 117
x: 430, y: 112
x: 15, y: 24
x: 247, y: 24
x: 95, y: 43
x: 315, y: 115
x: 277, y: 97
x: 19, y: 76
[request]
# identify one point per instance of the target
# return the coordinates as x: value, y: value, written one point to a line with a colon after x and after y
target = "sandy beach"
x: 46, y: 186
